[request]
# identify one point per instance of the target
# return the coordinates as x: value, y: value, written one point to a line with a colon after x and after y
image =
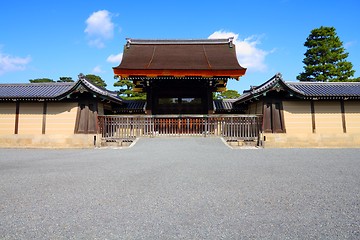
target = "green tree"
x: 41, y: 80
x: 325, y: 58
x: 126, y: 90
x: 65, y: 79
x: 98, y: 81
x: 355, y: 79
x: 228, y: 94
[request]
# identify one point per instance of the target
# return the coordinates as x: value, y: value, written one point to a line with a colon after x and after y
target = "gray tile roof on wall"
x: 329, y: 89
x: 135, y: 106
x: 223, y: 104
x: 226, y: 106
x: 304, y: 90
x: 33, y: 90
x: 53, y: 91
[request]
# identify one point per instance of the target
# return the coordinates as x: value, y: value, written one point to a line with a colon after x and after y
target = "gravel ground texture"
x: 180, y: 188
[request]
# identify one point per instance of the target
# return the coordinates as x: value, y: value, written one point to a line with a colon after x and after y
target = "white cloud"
x: 97, y: 69
x: 99, y: 28
x: 349, y: 44
x: 97, y: 43
x: 12, y: 64
x: 247, y: 52
x: 115, y: 58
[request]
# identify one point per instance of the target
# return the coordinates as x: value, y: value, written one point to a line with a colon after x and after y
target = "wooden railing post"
x: 232, y: 127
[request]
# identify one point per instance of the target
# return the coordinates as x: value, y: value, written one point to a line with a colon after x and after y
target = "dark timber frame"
x: 313, y: 122
x: 17, y: 112
x: 179, y: 96
x: 44, y: 118
x: 273, y: 116
x: 86, y: 119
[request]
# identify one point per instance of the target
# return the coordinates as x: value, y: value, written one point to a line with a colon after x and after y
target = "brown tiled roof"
x: 210, y: 57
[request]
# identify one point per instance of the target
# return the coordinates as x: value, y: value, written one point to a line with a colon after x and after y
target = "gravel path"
x: 180, y: 188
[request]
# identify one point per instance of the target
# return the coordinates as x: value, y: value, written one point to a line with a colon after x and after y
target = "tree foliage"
x: 355, y: 79
x: 325, y: 58
x: 228, y: 94
x: 126, y: 90
x: 98, y: 81
x: 41, y: 80
x: 65, y: 79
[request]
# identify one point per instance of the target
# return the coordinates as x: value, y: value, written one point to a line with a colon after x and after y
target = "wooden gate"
x: 230, y: 127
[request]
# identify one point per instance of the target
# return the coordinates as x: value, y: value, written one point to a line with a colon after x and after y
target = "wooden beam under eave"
x: 235, y: 73
x: 138, y: 90
x: 220, y: 89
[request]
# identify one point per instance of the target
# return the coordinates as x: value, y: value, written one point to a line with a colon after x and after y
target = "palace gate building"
x: 179, y: 78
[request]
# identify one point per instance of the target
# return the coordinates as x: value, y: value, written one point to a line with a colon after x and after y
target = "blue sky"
x: 52, y: 39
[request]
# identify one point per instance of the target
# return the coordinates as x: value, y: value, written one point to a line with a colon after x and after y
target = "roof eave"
x: 33, y: 99
x: 231, y: 73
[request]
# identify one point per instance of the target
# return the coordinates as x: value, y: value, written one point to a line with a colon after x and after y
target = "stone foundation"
x: 50, y: 141
x: 281, y: 140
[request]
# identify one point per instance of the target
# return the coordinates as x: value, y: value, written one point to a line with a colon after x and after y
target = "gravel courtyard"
x: 180, y: 188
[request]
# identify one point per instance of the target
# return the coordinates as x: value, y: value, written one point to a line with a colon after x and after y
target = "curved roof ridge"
x: 277, y: 78
x: 99, y: 90
x: 268, y: 85
x: 94, y: 87
x: 179, y: 41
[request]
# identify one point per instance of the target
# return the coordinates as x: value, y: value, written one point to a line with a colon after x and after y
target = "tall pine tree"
x: 325, y: 58
x: 126, y: 90
x: 228, y: 94
x: 98, y: 81
x: 65, y: 79
x: 41, y: 80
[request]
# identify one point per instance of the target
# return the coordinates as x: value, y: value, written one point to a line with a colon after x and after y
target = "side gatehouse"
x: 306, y: 114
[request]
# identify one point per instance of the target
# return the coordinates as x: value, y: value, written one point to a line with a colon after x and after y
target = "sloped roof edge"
x: 89, y: 86
x: 275, y: 81
x: 304, y: 90
x: 53, y: 91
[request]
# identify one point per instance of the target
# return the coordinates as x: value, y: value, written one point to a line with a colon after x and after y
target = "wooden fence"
x: 231, y: 127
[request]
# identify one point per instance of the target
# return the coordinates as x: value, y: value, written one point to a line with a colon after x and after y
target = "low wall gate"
x: 230, y: 127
